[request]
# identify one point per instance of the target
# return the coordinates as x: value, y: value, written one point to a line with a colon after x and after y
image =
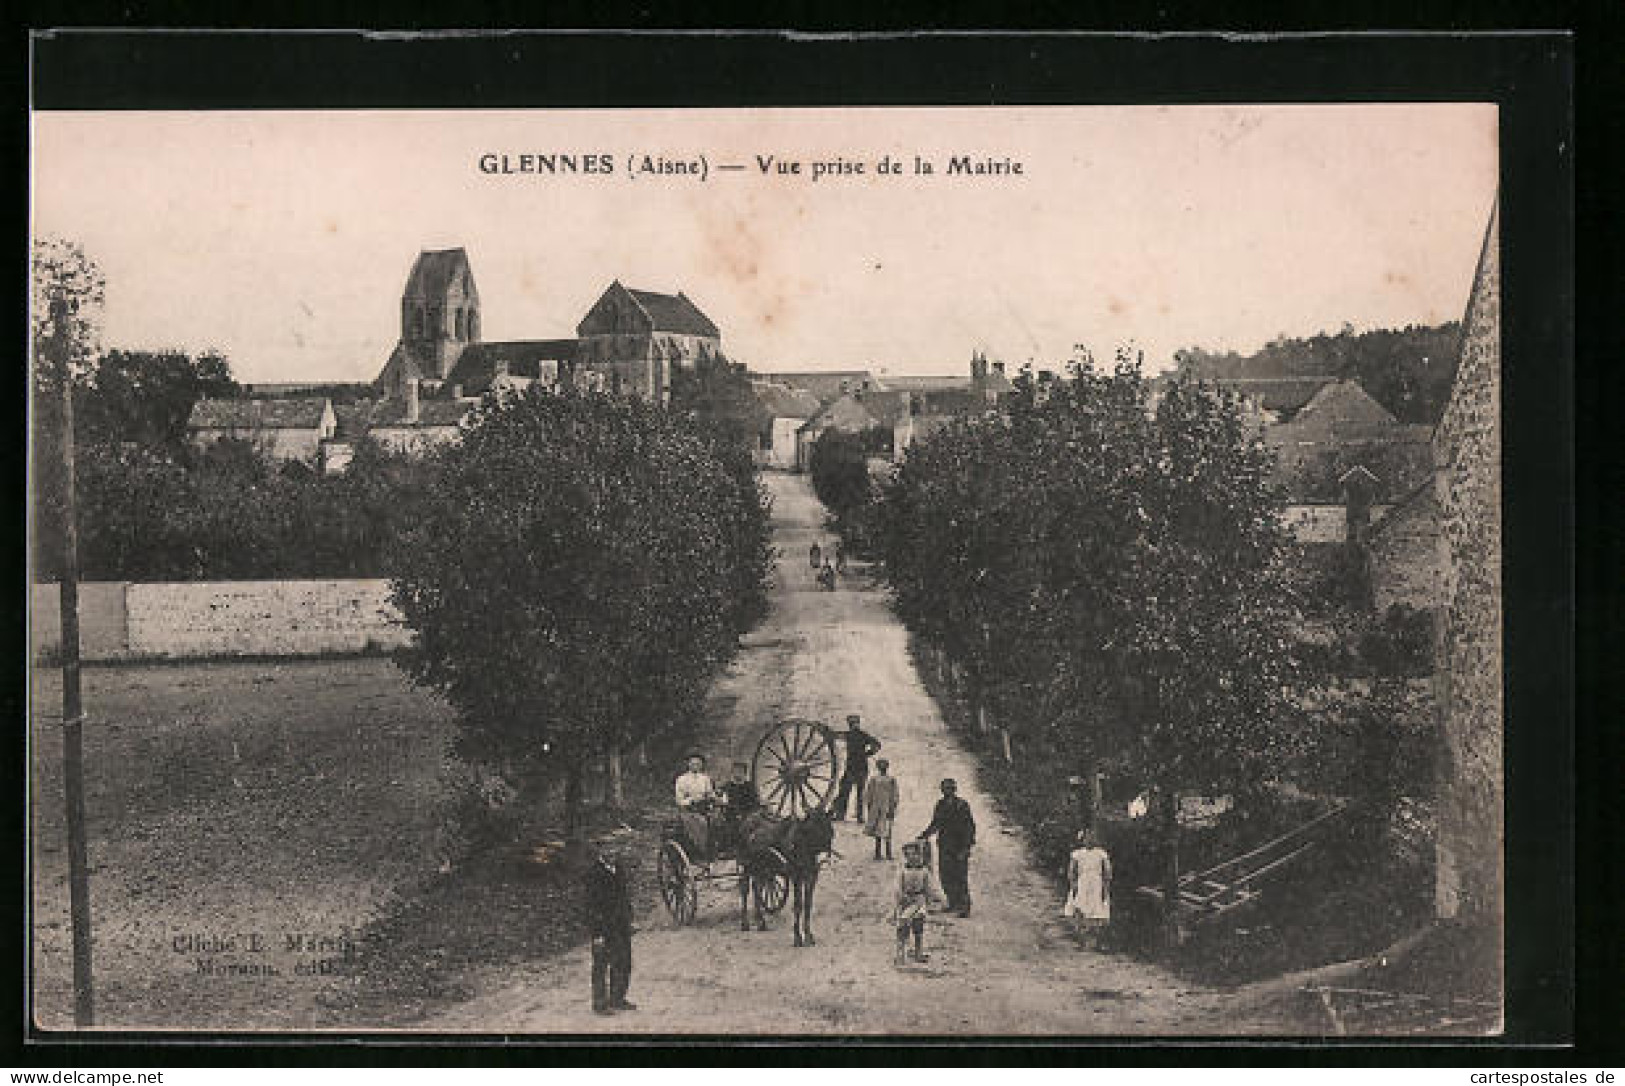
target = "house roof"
x: 776, y: 401
x: 392, y: 413
x: 846, y: 413
x: 827, y: 385
x: 1421, y: 503
x: 266, y: 414
x: 1343, y: 402
x: 434, y: 270
x: 674, y: 313
x: 1283, y: 395
x: 923, y: 384
x: 478, y: 363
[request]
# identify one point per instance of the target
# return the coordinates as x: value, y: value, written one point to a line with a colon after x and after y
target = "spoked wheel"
x: 678, y: 888
x: 772, y: 888
x: 795, y: 768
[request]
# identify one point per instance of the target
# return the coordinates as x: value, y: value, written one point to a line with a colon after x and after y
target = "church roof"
x: 476, y: 366
x: 434, y: 270
x: 674, y: 313
x: 269, y: 414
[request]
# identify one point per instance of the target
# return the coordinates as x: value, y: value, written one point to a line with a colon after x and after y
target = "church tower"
x: 440, y: 311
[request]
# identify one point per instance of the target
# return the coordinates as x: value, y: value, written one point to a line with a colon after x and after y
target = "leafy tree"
x: 67, y: 291
x: 145, y: 397
x: 717, y: 393
x: 571, y: 579
x: 1112, y: 579
x: 840, y: 473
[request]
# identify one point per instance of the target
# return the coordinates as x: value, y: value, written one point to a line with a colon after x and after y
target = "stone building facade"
x: 1467, y: 480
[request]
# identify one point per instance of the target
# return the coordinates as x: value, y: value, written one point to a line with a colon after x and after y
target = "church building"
x: 629, y: 340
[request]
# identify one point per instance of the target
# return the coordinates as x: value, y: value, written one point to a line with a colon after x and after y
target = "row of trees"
x: 576, y: 573
x: 1408, y: 370
x: 1111, y: 581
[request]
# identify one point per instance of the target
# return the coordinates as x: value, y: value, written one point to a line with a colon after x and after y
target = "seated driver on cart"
x: 739, y: 799
x: 695, y: 797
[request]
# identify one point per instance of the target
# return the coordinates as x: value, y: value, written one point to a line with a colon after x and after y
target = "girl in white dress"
x: 1089, y: 887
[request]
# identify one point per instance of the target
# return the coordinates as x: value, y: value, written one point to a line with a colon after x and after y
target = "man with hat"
x: 951, y: 821
x: 860, y: 746
x: 609, y: 918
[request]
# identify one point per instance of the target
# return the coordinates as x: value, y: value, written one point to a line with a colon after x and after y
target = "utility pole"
x: 73, y: 756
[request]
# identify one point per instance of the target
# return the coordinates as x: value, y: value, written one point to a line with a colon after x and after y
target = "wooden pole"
x: 73, y: 758
x: 617, y: 789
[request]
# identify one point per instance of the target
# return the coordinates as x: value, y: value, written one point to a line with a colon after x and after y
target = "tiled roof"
x: 777, y: 401
x: 1284, y: 395
x: 923, y: 384
x: 674, y: 313
x: 1343, y: 402
x: 845, y: 413
x: 392, y: 413
x: 825, y: 384
x: 477, y: 364
x: 434, y: 270
x: 270, y: 414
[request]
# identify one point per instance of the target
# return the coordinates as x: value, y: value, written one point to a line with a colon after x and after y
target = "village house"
x: 283, y: 430
x: 781, y: 411
x: 930, y: 403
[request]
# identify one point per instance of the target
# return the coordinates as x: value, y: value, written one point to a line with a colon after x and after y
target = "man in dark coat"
x: 951, y: 821
x: 739, y: 799
x: 860, y: 746
x: 609, y: 916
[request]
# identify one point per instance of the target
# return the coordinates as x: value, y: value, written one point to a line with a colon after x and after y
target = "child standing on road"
x: 916, y: 893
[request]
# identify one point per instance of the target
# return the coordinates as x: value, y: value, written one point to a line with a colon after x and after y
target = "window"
x: 462, y: 329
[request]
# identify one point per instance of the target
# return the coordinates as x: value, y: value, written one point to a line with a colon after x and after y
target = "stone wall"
x: 224, y: 618
x: 103, y: 630
x: 1404, y: 550
x: 1467, y: 457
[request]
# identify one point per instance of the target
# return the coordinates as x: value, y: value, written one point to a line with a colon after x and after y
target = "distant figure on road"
x: 695, y: 797
x: 815, y: 556
x: 916, y: 893
x: 840, y: 556
x: 860, y: 746
x: 880, y: 807
x: 826, y: 577
x: 609, y: 918
x: 955, y: 828
x: 1089, y: 888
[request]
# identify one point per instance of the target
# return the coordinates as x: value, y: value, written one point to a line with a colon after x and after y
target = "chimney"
x: 411, y: 399
x: 998, y: 368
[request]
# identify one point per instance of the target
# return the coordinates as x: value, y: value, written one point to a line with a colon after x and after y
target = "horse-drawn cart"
x: 794, y: 773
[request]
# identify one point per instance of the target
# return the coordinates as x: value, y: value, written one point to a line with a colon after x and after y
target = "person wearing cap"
x: 881, y: 807
x: 955, y: 829
x: 860, y: 746
x: 739, y: 799
x: 695, y: 796
x: 609, y: 920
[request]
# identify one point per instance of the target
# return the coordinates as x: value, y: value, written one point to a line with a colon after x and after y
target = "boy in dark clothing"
x: 955, y: 828
x: 860, y: 745
x: 609, y: 916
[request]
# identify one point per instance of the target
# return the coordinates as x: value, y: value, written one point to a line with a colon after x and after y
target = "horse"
x: 801, y: 842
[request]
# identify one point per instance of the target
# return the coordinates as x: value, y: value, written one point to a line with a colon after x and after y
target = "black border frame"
x: 1529, y: 75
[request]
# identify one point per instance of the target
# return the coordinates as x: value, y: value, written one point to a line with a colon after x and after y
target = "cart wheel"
x: 772, y: 889
x: 795, y: 768
x: 678, y: 888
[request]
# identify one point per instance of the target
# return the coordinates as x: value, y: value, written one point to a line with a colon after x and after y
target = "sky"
x: 283, y: 239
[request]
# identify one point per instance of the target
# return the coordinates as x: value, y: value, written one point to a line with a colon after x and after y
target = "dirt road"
x: 1008, y: 969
